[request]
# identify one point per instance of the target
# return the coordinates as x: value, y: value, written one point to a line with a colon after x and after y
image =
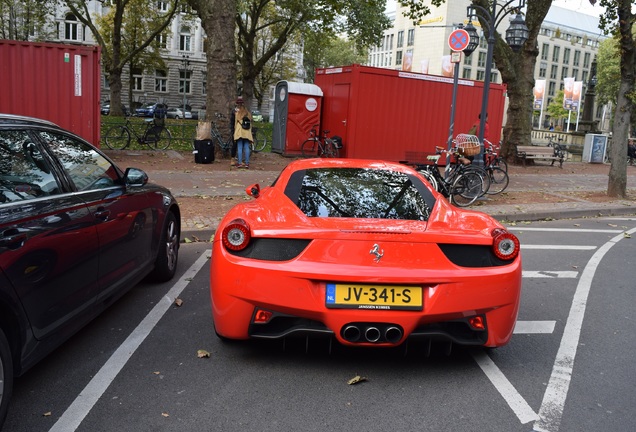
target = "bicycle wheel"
x: 483, y: 174
x: 430, y: 178
x: 466, y: 188
x: 259, y: 141
x: 308, y: 148
x: 499, y: 180
x: 330, y: 149
x: 158, y: 138
x: 501, y: 163
x: 117, y: 137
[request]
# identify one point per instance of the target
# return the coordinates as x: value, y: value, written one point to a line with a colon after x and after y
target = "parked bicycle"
x: 461, y: 186
x: 156, y: 135
x: 320, y: 146
x: 260, y: 141
x: 493, y: 150
x: 559, y: 149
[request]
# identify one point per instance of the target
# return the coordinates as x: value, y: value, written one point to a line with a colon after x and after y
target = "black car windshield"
x: 360, y: 193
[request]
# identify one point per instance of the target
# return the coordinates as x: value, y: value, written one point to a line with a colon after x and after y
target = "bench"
x: 540, y: 152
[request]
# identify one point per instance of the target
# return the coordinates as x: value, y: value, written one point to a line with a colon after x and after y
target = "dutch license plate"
x: 359, y: 296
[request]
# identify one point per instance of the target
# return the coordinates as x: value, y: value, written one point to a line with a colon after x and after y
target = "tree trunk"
x: 617, y: 182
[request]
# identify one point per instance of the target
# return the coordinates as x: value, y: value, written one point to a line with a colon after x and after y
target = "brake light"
x: 262, y: 316
x: 505, y: 245
x: 477, y: 322
x: 236, y: 235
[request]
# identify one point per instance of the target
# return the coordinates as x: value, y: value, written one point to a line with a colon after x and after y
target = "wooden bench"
x: 539, y: 152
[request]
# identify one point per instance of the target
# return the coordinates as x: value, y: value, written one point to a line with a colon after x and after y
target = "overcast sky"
x: 577, y: 5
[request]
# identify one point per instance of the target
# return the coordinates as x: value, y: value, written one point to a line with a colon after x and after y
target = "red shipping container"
x: 394, y: 115
x: 297, y: 108
x: 55, y: 82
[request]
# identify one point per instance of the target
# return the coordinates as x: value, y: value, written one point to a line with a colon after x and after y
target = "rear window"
x: 360, y: 193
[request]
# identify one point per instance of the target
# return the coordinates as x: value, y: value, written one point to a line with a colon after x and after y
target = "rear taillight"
x: 505, y: 245
x: 236, y: 235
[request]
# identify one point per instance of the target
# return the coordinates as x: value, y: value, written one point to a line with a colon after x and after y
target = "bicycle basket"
x: 467, y: 145
x: 159, y: 121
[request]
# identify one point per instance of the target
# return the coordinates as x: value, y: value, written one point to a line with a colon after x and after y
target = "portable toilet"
x: 296, y: 112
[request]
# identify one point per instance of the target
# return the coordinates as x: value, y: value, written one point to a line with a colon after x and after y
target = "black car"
x: 105, y: 109
x: 152, y: 110
x: 76, y: 233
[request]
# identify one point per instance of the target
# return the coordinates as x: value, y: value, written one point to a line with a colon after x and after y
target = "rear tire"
x: 308, y: 148
x: 168, y: 254
x: 466, y: 189
x: 430, y: 178
x: 117, y: 138
x: 499, y: 180
x: 158, y: 140
x: 6, y: 377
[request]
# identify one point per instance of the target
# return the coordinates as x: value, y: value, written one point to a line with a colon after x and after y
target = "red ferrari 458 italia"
x: 366, y: 252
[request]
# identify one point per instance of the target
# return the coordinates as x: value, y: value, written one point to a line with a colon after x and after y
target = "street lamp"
x: 185, y: 69
x: 516, y: 36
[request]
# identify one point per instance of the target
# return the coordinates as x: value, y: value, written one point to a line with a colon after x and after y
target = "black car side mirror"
x: 135, y: 177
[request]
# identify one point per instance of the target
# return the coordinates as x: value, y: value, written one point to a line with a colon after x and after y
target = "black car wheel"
x: 6, y: 377
x: 166, y: 262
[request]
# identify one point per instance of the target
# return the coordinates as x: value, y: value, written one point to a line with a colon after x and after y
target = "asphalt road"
x: 569, y: 366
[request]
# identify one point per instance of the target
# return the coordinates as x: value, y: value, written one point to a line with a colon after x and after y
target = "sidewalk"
x: 551, y: 182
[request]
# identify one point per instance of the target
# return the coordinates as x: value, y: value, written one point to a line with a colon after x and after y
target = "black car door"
x: 48, y: 239
x: 124, y: 219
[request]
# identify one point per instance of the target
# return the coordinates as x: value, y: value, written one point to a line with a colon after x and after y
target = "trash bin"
x: 203, y: 151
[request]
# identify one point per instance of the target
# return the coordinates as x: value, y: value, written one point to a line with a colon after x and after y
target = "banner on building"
x: 576, y: 95
x: 539, y: 93
x: 568, y: 92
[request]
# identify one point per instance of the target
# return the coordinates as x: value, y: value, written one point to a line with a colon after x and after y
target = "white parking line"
x: 550, y: 274
x: 557, y: 247
x: 564, y: 230
x: 551, y: 411
x: 534, y: 327
x: 86, y: 400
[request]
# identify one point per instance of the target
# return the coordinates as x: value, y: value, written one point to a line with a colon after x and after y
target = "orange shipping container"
x: 390, y: 114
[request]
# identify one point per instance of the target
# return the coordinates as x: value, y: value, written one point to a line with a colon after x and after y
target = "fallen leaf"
x: 203, y: 354
x: 612, y: 225
x: 165, y: 414
x: 195, y: 238
x: 356, y: 379
x: 178, y: 302
x: 156, y: 372
x: 187, y: 240
x: 47, y: 414
x: 626, y: 235
x: 577, y: 225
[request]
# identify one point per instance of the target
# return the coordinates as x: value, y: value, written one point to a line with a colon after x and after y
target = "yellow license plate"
x: 358, y: 296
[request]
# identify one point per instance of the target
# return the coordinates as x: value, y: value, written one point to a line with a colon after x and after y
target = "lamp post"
x: 185, y: 68
x: 516, y: 36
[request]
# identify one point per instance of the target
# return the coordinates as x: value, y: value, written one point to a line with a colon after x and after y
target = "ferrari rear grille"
x: 272, y: 249
x: 471, y: 255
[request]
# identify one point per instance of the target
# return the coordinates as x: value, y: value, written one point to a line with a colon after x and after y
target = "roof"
x: 303, y: 88
x: 566, y: 18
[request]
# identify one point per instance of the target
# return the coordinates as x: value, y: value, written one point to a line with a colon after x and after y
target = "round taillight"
x: 236, y: 235
x: 505, y: 245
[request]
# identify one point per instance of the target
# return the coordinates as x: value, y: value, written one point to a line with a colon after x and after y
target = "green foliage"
x: 323, y: 51
x: 417, y: 9
x: 27, y: 20
x: 555, y: 108
x: 608, y: 71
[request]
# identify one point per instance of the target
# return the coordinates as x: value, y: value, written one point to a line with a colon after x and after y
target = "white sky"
x: 577, y: 5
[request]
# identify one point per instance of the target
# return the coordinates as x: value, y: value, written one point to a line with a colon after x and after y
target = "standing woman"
x: 243, y: 135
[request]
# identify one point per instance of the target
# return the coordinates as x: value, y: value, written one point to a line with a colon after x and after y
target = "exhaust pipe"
x: 372, y: 334
x: 393, y: 334
x: 351, y: 333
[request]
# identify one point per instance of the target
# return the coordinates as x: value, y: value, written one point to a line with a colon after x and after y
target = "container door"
x: 280, y: 117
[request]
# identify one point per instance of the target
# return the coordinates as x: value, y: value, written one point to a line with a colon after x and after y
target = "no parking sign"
x: 458, y: 40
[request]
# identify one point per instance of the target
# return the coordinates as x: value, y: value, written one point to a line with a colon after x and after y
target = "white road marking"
x: 512, y: 397
x: 534, y: 327
x: 549, y: 274
x: 564, y: 230
x: 551, y: 411
x: 557, y: 247
x: 86, y: 400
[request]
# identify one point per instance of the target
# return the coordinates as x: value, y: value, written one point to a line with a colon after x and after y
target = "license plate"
x: 374, y: 297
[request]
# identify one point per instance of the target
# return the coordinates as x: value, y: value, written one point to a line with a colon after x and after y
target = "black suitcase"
x: 203, y: 151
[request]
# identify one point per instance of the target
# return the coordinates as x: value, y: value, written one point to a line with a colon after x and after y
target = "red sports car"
x: 366, y: 252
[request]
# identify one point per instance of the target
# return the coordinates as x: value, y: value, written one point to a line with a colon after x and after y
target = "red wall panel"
x: 55, y: 82
x: 389, y: 114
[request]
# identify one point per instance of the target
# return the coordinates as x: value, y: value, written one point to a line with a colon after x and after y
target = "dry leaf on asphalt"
x: 47, y: 414
x: 356, y: 379
x: 203, y: 354
x: 626, y: 235
x: 178, y: 302
x: 165, y: 414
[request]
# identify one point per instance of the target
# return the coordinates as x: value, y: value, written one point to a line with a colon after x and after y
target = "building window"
x: 575, y: 74
x: 584, y: 77
x: 400, y: 39
x: 137, y: 80
x: 586, y: 60
x: 481, y: 75
x: 184, y: 39
x: 555, y: 54
x: 545, y: 49
x: 161, y: 81
x: 553, y: 71
x: 481, y: 59
x: 468, y: 60
x: 566, y: 56
x: 466, y: 72
x: 494, y: 76
x: 564, y: 72
x: 162, y: 40
x: 71, y: 30
x: 543, y: 69
x: 410, y: 37
x: 106, y: 83
x: 162, y: 6
x: 391, y: 42
x: 185, y: 80
x: 398, y: 58
x: 551, y: 88
x: 204, y: 83
x: 577, y: 57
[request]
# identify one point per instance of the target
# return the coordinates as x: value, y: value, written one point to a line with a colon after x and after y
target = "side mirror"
x: 254, y: 190
x: 135, y: 177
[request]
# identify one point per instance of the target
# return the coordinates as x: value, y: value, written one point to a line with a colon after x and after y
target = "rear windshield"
x: 360, y: 193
